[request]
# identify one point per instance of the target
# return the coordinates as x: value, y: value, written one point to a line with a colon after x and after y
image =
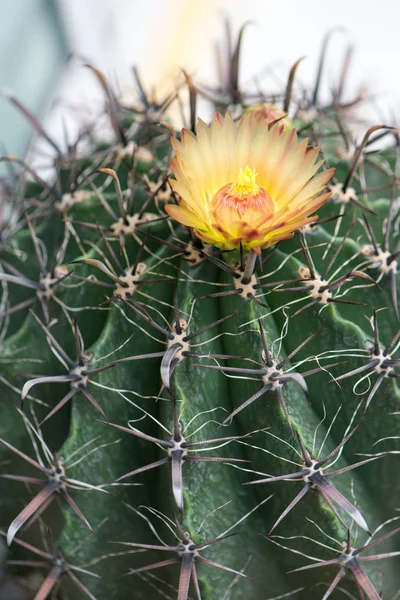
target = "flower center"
x: 245, y: 184
x: 242, y: 199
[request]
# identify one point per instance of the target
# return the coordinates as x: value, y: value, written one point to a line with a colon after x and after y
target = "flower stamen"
x: 245, y: 183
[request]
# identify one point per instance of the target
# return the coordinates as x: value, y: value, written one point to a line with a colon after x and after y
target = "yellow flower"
x: 243, y: 183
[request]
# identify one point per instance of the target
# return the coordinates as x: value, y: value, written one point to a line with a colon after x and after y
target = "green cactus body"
x: 151, y: 281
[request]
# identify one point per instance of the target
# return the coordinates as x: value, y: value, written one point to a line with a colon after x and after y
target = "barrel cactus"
x: 198, y: 369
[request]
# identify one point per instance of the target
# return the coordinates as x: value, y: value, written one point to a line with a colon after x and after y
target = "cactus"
x: 193, y: 406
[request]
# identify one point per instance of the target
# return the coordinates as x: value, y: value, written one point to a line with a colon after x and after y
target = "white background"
x: 160, y: 36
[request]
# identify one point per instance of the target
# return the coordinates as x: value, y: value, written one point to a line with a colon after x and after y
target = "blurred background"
x: 163, y: 36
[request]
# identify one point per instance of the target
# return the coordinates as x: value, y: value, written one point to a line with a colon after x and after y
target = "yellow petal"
x: 183, y: 216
